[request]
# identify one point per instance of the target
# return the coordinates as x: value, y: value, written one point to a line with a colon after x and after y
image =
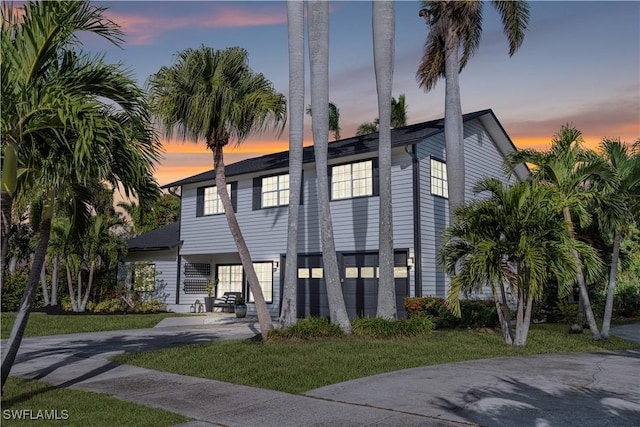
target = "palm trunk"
x: 453, y: 127
x: 54, y: 280
x: 318, y: 27
x: 79, y: 289
x: 523, y: 324
x: 264, y: 318
x: 584, y: 294
x: 10, y: 350
x: 92, y: 270
x: 383, y: 53
x: 611, y: 288
x: 74, y: 306
x: 503, y: 315
x: 6, y: 208
x: 519, y: 318
x: 295, y: 24
x: 43, y: 283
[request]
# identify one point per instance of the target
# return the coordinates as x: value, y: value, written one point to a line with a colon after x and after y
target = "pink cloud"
x: 144, y: 29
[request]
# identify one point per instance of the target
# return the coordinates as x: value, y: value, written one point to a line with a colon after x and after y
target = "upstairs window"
x: 272, y: 191
x: 439, y: 185
x: 275, y: 191
x: 209, y: 202
x: 353, y: 180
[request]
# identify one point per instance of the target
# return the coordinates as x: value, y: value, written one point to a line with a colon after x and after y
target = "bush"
x: 474, y: 313
x: 374, y: 327
x: 309, y: 328
x: 151, y: 306
x: 13, y: 290
x: 568, y: 311
x: 111, y: 305
x: 626, y: 302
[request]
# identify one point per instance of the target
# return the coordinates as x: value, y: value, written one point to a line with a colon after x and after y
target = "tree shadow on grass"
x: 512, y: 402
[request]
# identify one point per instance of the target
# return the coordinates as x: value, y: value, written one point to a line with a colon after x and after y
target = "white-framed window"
x: 275, y: 191
x: 264, y: 271
x: 212, y: 203
x: 230, y: 279
x: 439, y: 185
x: 352, y: 180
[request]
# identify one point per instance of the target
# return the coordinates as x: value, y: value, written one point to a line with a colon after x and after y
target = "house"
x: 203, y: 248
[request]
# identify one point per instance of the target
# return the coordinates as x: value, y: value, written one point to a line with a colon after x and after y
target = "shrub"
x: 474, y: 313
x: 111, y: 305
x: 568, y: 311
x: 309, y: 328
x: 626, y: 301
x: 374, y: 327
x: 151, y: 306
x: 13, y: 290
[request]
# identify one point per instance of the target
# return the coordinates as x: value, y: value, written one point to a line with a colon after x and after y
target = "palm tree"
x: 30, y: 41
x: 295, y: 25
x: 399, y: 111
x: 318, y: 27
x: 568, y: 168
x: 334, y: 119
x: 512, y: 241
x: 383, y: 52
x: 68, y: 119
x: 622, y: 207
x: 368, y: 127
x: 213, y: 94
x: 398, y: 117
x: 456, y: 26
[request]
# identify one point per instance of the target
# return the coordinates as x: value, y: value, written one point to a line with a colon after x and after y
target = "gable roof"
x: 167, y: 237
x: 345, y: 147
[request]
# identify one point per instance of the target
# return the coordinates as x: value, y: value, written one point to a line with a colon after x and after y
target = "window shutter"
x: 329, y: 178
x: 376, y: 176
x: 257, y: 193
x: 302, y: 189
x: 234, y: 195
x: 200, y: 201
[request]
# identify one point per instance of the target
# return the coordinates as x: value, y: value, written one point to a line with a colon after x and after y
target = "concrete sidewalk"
x: 581, y: 389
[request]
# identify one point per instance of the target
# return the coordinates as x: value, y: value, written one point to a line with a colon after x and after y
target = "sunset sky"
x: 579, y: 64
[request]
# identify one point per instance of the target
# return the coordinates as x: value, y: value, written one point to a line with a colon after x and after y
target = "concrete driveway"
x: 573, y: 389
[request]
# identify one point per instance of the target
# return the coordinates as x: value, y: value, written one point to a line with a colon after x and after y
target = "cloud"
x: 143, y: 29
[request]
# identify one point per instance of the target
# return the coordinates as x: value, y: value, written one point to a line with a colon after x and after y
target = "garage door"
x: 359, y: 273
x: 360, y: 283
x: 312, y: 292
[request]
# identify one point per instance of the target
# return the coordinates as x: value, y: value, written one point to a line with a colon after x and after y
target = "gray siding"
x: 265, y: 231
x: 482, y: 159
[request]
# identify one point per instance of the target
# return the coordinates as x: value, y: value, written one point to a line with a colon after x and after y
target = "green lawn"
x: 296, y: 367
x: 41, y: 324
x: 30, y: 399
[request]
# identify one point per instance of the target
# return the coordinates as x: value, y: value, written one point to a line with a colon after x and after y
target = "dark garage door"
x: 359, y: 272
x: 312, y: 292
x: 360, y: 283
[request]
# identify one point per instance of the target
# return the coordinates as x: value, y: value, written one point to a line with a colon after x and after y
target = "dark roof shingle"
x: 167, y: 237
x: 344, y: 147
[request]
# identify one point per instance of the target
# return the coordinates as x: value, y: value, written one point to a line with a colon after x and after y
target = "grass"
x: 41, y: 324
x: 295, y: 367
x: 80, y: 408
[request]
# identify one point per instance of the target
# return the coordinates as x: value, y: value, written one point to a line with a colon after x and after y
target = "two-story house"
x: 187, y: 255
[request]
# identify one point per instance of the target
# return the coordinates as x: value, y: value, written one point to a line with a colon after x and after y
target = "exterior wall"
x: 207, y: 239
x: 355, y: 221
x: 166, y: 272
x: 482, y: 159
